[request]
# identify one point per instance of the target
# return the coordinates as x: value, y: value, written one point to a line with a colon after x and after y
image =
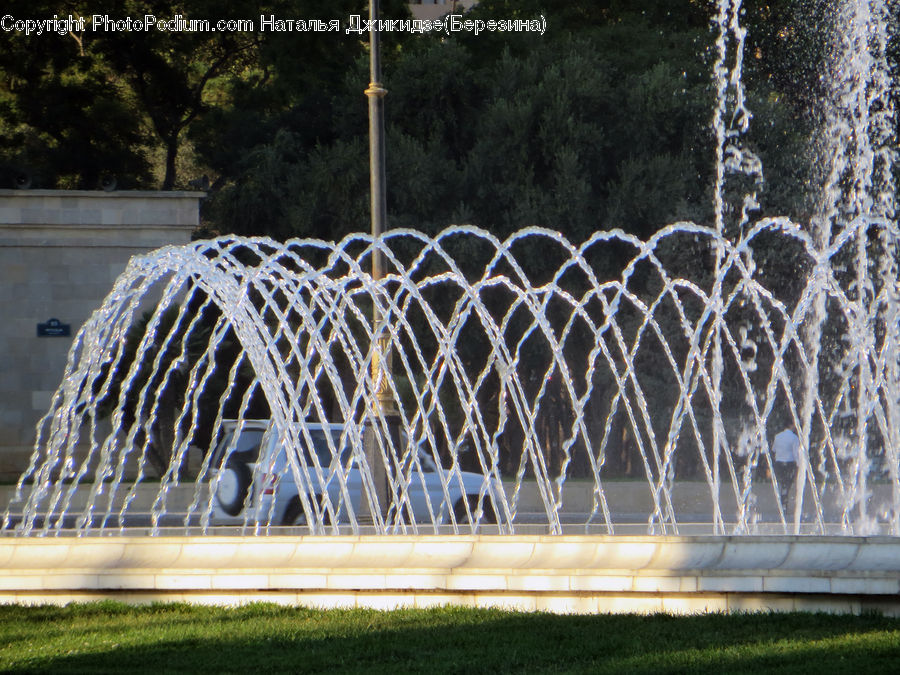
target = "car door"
x: 341, y: 478
x: 425, y: 488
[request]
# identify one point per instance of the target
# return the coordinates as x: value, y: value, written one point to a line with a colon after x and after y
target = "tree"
x: 172, y: 73
x: 145, y: 92
x: 65, y: 115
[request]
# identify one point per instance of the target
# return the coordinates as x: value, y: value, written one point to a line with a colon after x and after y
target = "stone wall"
x: 60, y: 252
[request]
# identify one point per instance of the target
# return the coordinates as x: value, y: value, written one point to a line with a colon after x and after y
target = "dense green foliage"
x: 176, y: 638
x: 602, y: 122
x: 134, y: 103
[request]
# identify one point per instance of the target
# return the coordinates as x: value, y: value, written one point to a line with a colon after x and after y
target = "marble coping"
x: 515, y: 555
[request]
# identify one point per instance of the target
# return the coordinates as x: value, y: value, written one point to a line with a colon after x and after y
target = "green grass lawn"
x: 109, y: 637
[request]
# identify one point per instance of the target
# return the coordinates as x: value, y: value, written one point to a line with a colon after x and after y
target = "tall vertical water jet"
x: 731, y: 120
x: 856, y: 147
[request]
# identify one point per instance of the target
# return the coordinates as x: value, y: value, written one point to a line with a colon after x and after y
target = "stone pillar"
x: 60, y: 252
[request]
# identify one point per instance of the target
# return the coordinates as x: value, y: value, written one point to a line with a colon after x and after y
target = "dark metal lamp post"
x: 381, y: 356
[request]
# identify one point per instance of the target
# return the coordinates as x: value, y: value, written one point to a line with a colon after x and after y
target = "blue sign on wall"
x: 53, y: 328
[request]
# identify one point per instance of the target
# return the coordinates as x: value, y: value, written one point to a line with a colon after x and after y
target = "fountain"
x: 565, y: 367
x: 621, y: 387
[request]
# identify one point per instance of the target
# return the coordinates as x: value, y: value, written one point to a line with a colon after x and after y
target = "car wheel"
x: 233, y: 486
x: 294, y: 514
x: 488, y: 515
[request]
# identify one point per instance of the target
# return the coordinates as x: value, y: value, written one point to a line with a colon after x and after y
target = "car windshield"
x: 247, y: 447
x: 323, y: 449
x: 315, y: 439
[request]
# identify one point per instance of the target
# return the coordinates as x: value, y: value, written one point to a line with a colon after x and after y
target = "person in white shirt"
x: 786, y: 446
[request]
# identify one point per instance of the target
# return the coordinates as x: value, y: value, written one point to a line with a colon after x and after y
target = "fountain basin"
x: 568, y: 573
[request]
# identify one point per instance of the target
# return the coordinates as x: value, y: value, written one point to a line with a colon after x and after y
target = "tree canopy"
x: 601, y: 122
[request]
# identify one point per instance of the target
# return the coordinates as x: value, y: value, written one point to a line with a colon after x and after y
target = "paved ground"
x: 630, y: 504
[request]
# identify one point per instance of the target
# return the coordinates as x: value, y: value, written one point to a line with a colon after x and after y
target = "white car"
x: 254, y: 481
